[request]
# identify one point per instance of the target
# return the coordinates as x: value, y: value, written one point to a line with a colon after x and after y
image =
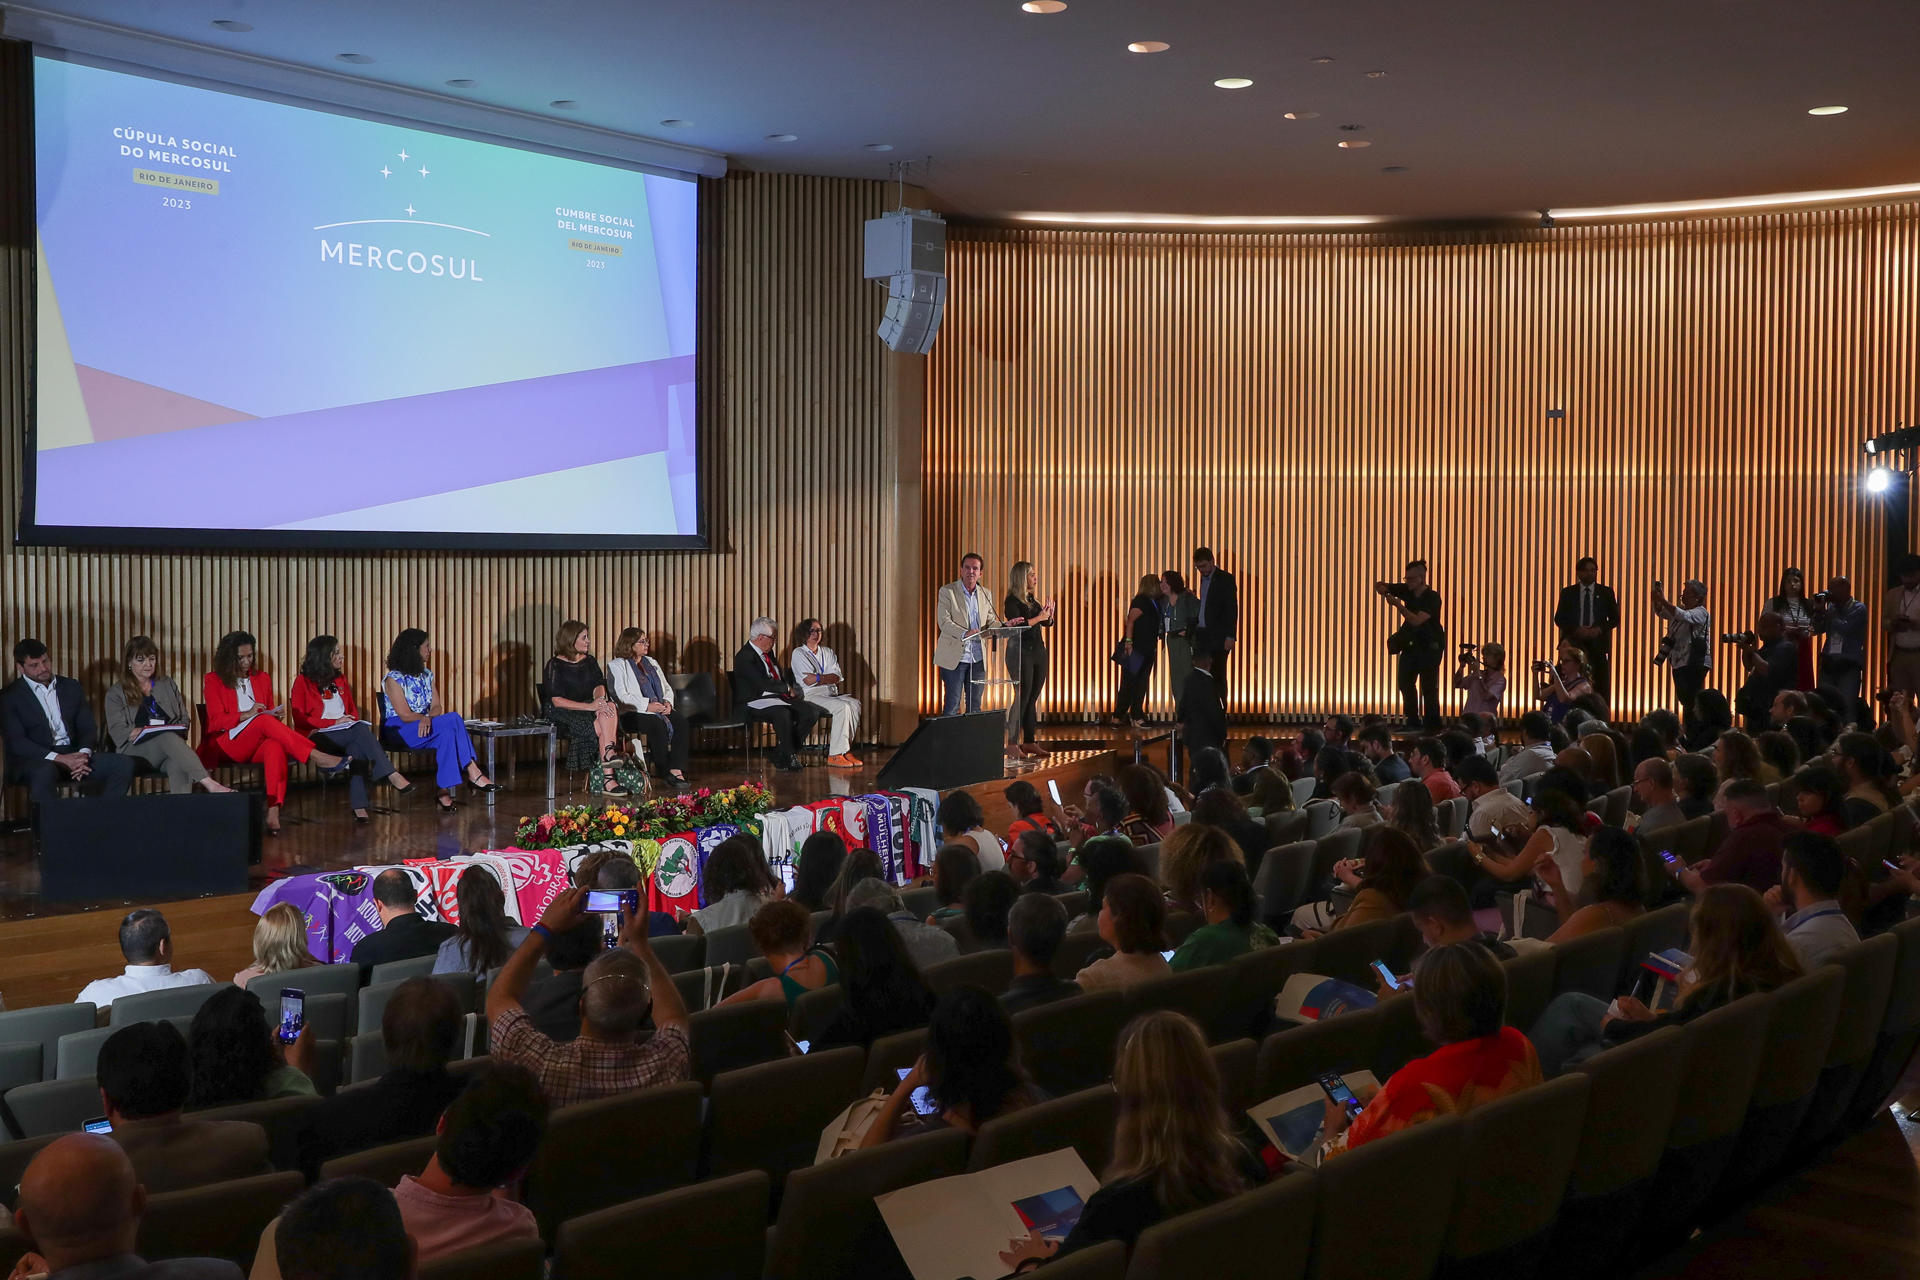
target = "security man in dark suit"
x: 1203, y: 712
x: 1588, y: 615
x: 49, y: 732
x: 1219, y: 615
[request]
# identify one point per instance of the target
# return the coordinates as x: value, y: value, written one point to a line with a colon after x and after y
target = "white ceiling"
x: 1493, y: 106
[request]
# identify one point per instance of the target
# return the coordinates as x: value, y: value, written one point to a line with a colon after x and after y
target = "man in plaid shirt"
x: 616, y: 993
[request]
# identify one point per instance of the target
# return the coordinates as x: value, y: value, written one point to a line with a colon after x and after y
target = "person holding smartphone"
x: 969, y: 1074
x: 617, y: 992
x: 1459, y: 1000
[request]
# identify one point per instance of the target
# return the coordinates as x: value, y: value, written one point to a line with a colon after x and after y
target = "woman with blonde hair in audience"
x: 1174, y: 1148
x: 1186, y: 854
x: 1737, y: 949
x: 485, y: 936
x: 279, y: 944
x: 1460, y: 1002
x: 970, y: 1068
x: 1614, y: 874
x: 1133, y: 921
x: 782, y: 930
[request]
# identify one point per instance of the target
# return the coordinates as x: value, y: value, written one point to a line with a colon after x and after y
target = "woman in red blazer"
x: 242, y: 727
x: 323, y: 709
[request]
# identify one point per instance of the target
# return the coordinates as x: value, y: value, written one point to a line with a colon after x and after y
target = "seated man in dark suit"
x: 1203, y: 716
x: 762, y: 691
x: 49, y: 732
x: 421, y: 1031
x: 404, y: 933
x: 145, y: 1074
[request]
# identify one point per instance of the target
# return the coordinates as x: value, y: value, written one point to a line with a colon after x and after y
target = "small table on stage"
x: 490, y: 731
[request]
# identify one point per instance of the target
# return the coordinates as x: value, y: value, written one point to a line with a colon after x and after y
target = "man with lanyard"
x: 1219, y: 618
x: 1587, y: 615
x: 1420, y: 642
x: 964, y: 612
x: 1688, y: 647
x: 1843, y: 653
x: 1902, y: 621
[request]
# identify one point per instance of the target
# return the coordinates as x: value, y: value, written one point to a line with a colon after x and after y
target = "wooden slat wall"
x: 800, y: 426
x: 1319, y: 409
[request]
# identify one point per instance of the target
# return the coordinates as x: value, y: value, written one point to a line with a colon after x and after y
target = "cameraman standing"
x: 1481, y: 672
x: 1687, y: 648
x: 1420, y: 643
x: 1772, y: 663
x: 1843, y: 654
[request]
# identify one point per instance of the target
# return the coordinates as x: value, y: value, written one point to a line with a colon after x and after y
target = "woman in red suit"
x: 243, y: 727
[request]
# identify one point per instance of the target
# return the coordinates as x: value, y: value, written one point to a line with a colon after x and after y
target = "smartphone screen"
x: 99, y: 1124
x: 1889, y: 864
x: 613, y: 901
x: 1336, y: 1086
x: 293, y: 1014
x: 1666, y: 856
x: 923, y: 1103
x: 1053, y: 789
x: 803, y: 1045
x: 1166, y: 955
x: 1386, y: 975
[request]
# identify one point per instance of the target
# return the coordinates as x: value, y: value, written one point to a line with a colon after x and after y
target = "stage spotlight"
x: 1872, y: 446
x: 1879, y: 480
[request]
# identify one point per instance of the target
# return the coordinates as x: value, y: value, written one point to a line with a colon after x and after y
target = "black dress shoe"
x: 789, y: 766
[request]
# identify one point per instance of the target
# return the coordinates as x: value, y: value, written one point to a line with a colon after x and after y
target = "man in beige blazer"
x: 964, y: 609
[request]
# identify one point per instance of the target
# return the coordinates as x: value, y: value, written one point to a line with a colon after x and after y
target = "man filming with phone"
x: 616, y: 993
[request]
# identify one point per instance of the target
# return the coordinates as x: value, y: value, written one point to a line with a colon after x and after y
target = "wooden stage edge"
x: 48, y: 952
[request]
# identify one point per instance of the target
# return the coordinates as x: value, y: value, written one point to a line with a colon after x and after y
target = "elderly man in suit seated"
x: 763, y: 690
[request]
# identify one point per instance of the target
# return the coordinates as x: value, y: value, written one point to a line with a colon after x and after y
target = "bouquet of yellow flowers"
x: 646, y: 820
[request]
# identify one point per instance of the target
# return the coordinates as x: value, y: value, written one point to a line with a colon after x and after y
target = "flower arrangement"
x: 648, y: 820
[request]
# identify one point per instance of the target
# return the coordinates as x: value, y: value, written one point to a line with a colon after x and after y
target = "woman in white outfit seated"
x: 818, y: 673
x: 646, y: 703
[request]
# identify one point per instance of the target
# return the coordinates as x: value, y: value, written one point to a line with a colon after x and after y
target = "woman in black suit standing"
x: 1026, y: 657
x: 1144, y: 624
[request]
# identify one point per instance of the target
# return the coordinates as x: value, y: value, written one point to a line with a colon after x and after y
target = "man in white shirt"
x: 1536, y: 753
x: 147, y: 944
x: 1901, y: 618
x: 1811, y: 870
x: 1492, y: 804
x: 1688, y: 647
x: 964, y: 610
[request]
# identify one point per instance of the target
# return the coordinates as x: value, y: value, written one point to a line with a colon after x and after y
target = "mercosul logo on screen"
x: 342, y: 252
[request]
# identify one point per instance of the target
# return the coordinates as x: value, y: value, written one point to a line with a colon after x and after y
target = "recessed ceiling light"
x: 670, y: 123
x: 1354, y: 144
x: 1303, y: 115
x: 461, y: 83
x: 357, y: 59
x: 1320, y: 61
x: 1232, y: 82
x: 1376, y: 75
x: 228, y: 24
x: 1201, y: 220
x: 1393, y: 168
x: 878, y: 146
x: 1826, y: 111
x: 783, y: 137
x: 1148, y: 46
x: 1351, y: 128
x: 1044, y: 6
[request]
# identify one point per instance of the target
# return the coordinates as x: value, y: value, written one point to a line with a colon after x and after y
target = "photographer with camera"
x: 1797, y: 615
x: 1419, y: 644
x: 1481, y: 671
x: 1842, y: 620
x: 1558, y: 684
x: 1588, y: 614
x: 1771, y: 659
x: 1687, y: 648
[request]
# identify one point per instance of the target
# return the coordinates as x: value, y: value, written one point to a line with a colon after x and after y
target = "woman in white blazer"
x: 646, y: 702
x: 817, y: 671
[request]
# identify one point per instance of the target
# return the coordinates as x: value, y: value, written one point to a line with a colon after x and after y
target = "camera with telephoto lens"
x: 1821, y: 599
x: 1469, y: 652
x: 1664, y: 652
x: 1741, y: 638
x: 1543, y: 667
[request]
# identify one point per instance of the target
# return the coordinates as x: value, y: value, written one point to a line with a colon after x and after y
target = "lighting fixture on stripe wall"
x: 1733, y: 204
x: 1827, y: 111
x: 1887, y: 441
x: 1232, y: 82
x: 1879, y: 480
x: 1246, y: 221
